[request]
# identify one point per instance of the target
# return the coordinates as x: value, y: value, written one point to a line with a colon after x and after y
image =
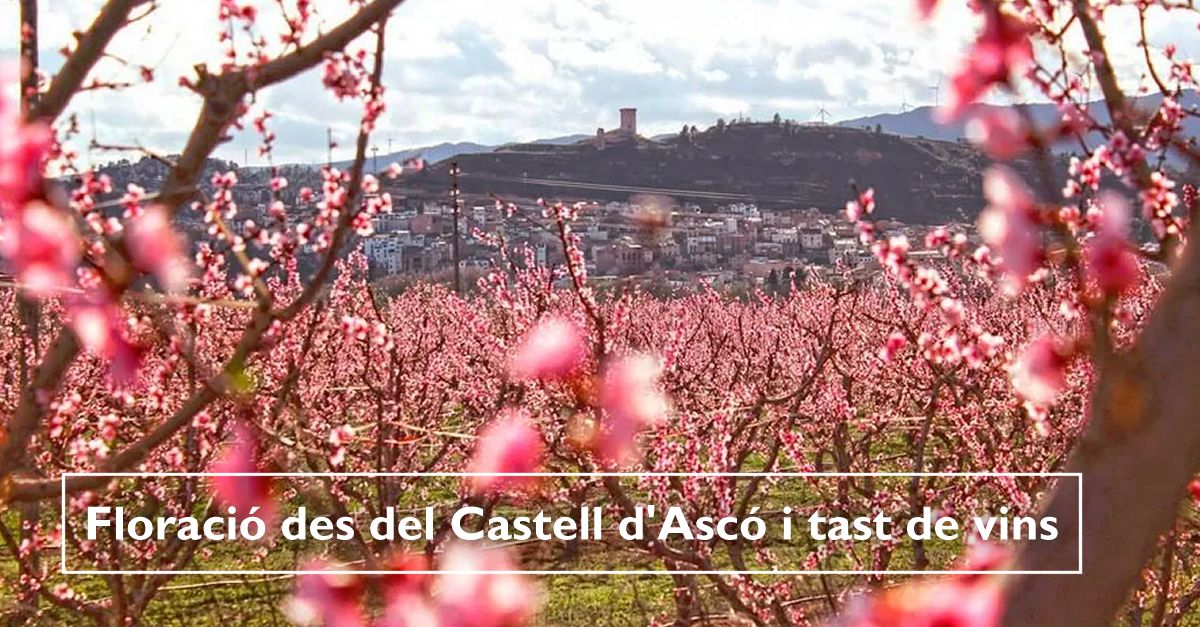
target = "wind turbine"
x: 937, y: 93
x: 329, y: 146
x: 823, y: 114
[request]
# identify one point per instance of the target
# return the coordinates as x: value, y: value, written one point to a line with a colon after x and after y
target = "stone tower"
x: 629, y: 121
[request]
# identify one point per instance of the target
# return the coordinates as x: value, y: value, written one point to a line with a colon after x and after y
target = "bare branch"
x: 309, y: 56
x: 223, y: 95
x: 111, y: 18
x: 1138, y: 452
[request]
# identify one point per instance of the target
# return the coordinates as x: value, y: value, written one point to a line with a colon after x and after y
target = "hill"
x: 917, y: 180
x: 432, y: 154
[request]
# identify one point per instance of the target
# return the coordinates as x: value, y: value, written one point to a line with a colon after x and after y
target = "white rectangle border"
x: 785, y: 475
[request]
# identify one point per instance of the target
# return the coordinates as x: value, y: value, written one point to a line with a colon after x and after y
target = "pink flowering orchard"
x: 221, y: 350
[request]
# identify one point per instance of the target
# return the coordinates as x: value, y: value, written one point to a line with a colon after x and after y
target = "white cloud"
x: 492, y: 71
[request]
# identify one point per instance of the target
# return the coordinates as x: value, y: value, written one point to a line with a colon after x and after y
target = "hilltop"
x: 917, y: 180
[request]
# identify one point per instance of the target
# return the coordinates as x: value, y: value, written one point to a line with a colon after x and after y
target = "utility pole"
x: 456, y: 205
x: 329, y: 146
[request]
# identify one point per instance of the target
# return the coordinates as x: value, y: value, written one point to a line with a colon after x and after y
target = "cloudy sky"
x: 493, y: 71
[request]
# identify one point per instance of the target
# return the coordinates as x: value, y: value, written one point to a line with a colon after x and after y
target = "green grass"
x: 566, y: 599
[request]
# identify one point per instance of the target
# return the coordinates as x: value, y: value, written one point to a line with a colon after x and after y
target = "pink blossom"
x: 966, y: 600
x: 41, y: 243
x: 407, y: 595
x: 156, y: 248
x: 405, y: 577
x: 1000, y: 131
x: 895, y: 342
x: 326, y: 599
x: 1040, y: 373
x: 243, y: 492
x: 338, y: 438
x: 984, y: 556
x: 892, y: 252
x: 856, y: 210
x: 1159, y: 201
x: 925, y: 8
x: 23, y: 148
x: 1001, y: 48
x: 510, y: 444
x: 100, y: 327
x: 937, y: 237
x: 553, y: 350
x: 415, y: 164
x: 952, y: 310
x: 231, y: 9
x: 1009, y: 225
x: 944, y: 603
x: 63, y: 591
x: 631, y: 401
x: 356, y: 328
x: 107, y: 425
x: 132, y: 200
x: 470, y: 596
x: 341, y: 435
x: 258, y: 266
x: 1107, y: 255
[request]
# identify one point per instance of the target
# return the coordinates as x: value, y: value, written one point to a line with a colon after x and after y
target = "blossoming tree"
x: 1056, y: 345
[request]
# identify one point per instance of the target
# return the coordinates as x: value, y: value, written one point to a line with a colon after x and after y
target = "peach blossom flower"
x: 1040, y: 373
x: 1009, y: 226
x: 552, y: 350
x: 510, y: 444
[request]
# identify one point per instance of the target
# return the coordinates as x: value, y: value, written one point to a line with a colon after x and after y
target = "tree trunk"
x: 1138, y: 453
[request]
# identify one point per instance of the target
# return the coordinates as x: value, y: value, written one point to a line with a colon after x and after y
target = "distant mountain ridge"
x: 921, y: 122
x: 447, y: 150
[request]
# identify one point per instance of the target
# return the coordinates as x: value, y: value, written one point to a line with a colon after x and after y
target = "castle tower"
x: 629, y: 121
